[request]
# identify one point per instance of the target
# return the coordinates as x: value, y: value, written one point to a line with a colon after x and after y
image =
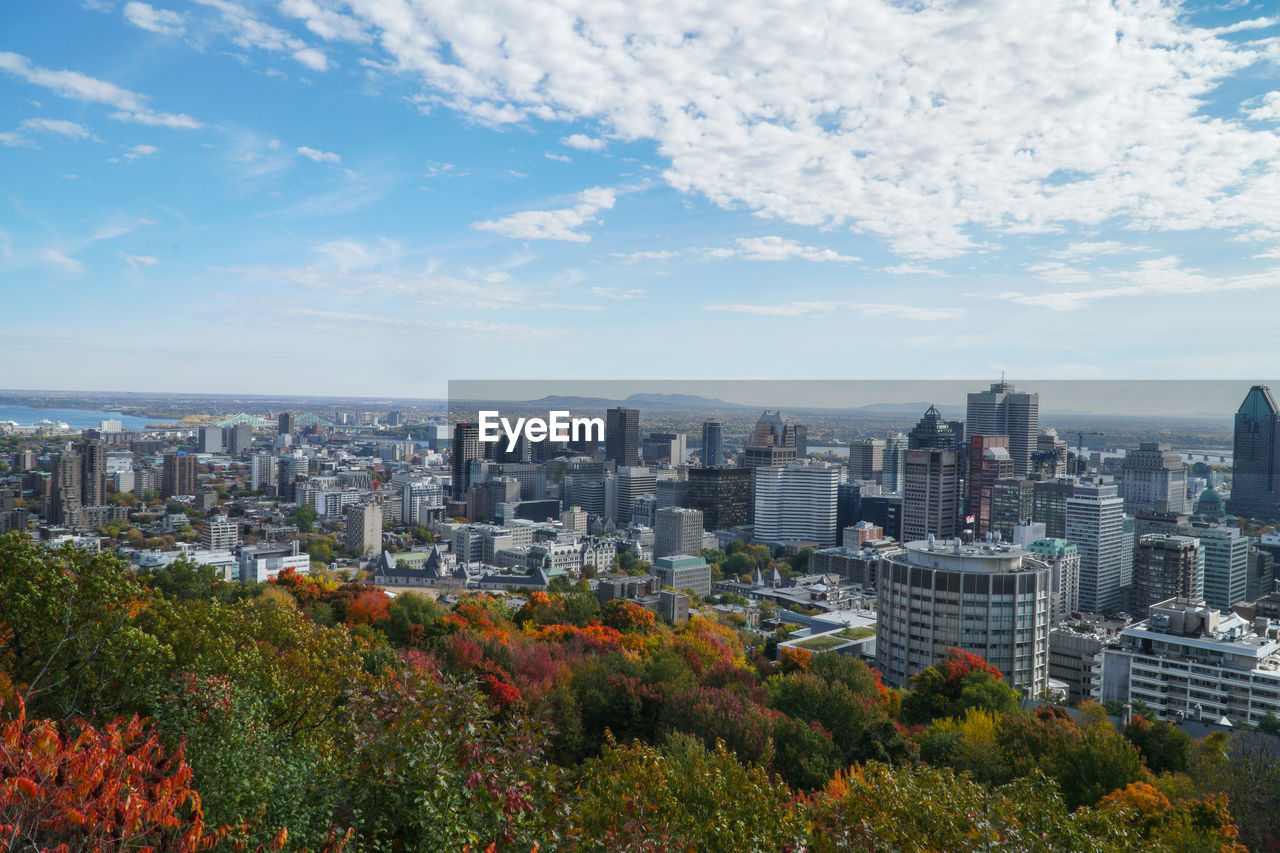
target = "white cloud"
x: 156, y: 20
x: 130, y: 106
x: 867, y: 309
x: 636, y: 257
x: 920, y: 123
x: 326, y: 23
x: 58, y: 126
x: 1155, y: 278
x: 318, y: 156
x: 622, y: 295
x: 1087, y: 249
x: 140, y: 151
x: 250, y: 32
x: 1269, y: 110
x: 913, y: 269
x: 62, y: 262
x: 15, y: 140
x: 777, y: 249
x: 553, y: 224
x: 583, y: 142
x: 137, y: 261
x: 559, y: 158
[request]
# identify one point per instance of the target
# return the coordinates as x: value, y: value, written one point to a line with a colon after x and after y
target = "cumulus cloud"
x: 130, y: 106
x: 140, y: 151
x: 920, y: 123
x: 557, y: 224
x: 148, y: 17
x: 559, y: 158
x: 777, y: 249
x: 583, y: 142
x: 318, y: 156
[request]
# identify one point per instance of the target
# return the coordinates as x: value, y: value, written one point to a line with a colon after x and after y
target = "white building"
x: 1095, y: 524
x: 677, y: 531
x: 363, y: 532
x: 258, y: 565
x: 219, y: 533
x: 796, y: 503
x: 1154, y: 480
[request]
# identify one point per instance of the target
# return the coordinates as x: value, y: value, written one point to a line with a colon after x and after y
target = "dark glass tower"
x: 712, y: 443
x: 1255, y: 473
x: 622, y: 437
x: 932, y: 433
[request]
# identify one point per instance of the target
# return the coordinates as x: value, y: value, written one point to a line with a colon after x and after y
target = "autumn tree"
x: 959, y: 681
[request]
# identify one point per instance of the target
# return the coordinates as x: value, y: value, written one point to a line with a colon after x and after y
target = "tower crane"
x: 1080, y: 460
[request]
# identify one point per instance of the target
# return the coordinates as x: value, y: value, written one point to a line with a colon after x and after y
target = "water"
x: 74, y: 418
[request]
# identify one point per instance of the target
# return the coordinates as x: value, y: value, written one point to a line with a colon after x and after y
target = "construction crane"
x: 1039, y: 457
x: 1081, y: 462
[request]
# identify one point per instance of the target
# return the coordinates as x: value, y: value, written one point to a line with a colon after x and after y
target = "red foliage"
x: 99, y: 790
x: 957, y: 664
x: 501, y: 692
x: 595, y: 637
x: 368, y: 607
x: 793, y: 659
x: 628, y: 616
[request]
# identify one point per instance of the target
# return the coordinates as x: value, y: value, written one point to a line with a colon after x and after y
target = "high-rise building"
x: 1049, y: 505
x: 866, y: 459
x: 290, y: 467
x: 219, y: 533
x: 238, y: 438
x: 1002, y: 410
x: 1095, y: 524
x: 622, y: 437
x: 930, y: 494
x: 1166, y: 567
x: 677, y: 530
x: 796, y: 502
x: 895, y: 451
x: 664, y: 448
x: 363, y: 533
x: 767, y: 456
x: 67, y: 489
x: 989, y: 463
x: 773, y: 429
x: 179, y: 476
x: 723, y: 495
x: 1063, y: 560
x: 93, y: 473
x: 632, y: 483
x: 263, y: 472
x: 932, y: 432
x: 1255, y: 460
x: 1050, y: 458
x: 466, y: 447
x: 416, y: 494
x: 1012, y: 503
x: 286, y: 423
x: 209, y: 440
x: 992, y: 601
x: 712, y: 452
x: 1154, y: 480
x: 1226, y: 562
x: 574, y: 520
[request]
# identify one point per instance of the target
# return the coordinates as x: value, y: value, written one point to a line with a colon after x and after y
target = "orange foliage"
x: 1146, y: 800
x: 100, y: 790
x: 794, y: 659
x: 368, y: 607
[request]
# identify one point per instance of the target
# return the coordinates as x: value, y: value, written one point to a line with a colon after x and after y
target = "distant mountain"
x: 680, y: 401
x: 916, y: 409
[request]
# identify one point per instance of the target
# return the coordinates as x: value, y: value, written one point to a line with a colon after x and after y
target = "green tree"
x: 305, y: 518
x: 954, y: 684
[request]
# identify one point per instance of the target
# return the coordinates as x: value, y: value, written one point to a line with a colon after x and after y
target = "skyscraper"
x: 1063, y: 560
x: 930, y: 494
x: 622, y: 437
x: 632, y: 483
x: 210, y: 440
x: 1002, y: 410
x: 67, y: 489
x: 1166, y: 567
x: 866, y: 459
x: 712, y: 443
x: 722, y: 494
x: 932, y: 433
x: 1255, y: 471
x: 989, y: 462
x: 1226, y: 562
x: 363, y: 530
x: 286, y: 423
x: 1095, y: 524
x: 1155, y: 480
x: 93, y: 473
x: 895, y: 450
x: 179, y: 476
x: 677, y: 531
x: 796, y: 502
x: 466, y: 447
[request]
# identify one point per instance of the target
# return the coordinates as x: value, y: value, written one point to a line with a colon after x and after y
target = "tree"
x: 304, y: 517
x: 959, y: 681
x: 1164, y: 747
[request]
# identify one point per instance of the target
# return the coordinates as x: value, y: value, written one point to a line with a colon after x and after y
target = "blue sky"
x: 375, y: 196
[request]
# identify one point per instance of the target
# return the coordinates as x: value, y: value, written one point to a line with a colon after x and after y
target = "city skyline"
x: 204, y: 188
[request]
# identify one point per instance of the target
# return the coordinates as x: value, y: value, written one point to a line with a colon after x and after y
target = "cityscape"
x: 547, y: 426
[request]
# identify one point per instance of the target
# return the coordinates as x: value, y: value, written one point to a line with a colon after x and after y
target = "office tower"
x: 682, y: 572
x: 930, y: 494
x: 665, y: 448
x: 1095, y: 524
x: 1002, y: 410
x: 989, y: 463
x: 767, y: 456
x: 219, y: 533
x: 1050, y: 458
x: 363, y: 533
x: 866, y: 459
x: 1255, y: 471
x: 209, y: 440
x: 672, y: 492
x: 931, y: 433
x: 502, y: 490
x: 574, y: 520
x: 1154, y: 480
x: 291, y: 466
x: 773, y: 429
x: 466, y: 447
x: 263, y: 471
x: 1063, y: 560
x: 712, y: 452
x: 238, y: 439
x: 68, y: 491
x: 394, y: 419
x: 1226, y: 562
x: 416, y: 494
x: 622, y: 437
x: 895, y: 452
x: 179, y: 476
x: 677, y: 530
x: 796, y: 502
x: 1166, y: 567
x: 93, y: 473
x: 992, y: 601
x: 632, y: 483
x: 1012, y: 502
x: 286, y: 423
x: 1049, y: 505
x: 722, y: 495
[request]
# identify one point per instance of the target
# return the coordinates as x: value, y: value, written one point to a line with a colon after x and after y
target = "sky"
x: 375, y: 197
